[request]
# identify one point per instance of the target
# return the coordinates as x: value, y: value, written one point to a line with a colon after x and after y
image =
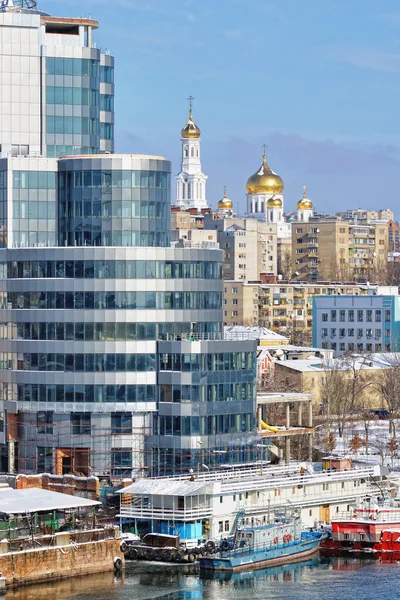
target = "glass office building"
x: 112, y: 359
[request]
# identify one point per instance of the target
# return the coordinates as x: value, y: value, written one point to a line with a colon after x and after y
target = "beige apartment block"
x: 285, y: 307
x: 338, y: 250
x: 240, y: 303
x: 249, y: 245
x: 310, y: 376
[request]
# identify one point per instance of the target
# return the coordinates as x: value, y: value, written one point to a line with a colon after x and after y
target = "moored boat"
x: 264, y: 546
x: 373, y: 529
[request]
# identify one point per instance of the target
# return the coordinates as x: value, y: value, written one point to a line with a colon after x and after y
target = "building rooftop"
x: 31, y: 500
x: 239, y: 332
x: 382, y: 360
x: 165, y: 487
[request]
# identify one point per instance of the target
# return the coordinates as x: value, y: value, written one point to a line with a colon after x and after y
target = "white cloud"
x: 366, y: 58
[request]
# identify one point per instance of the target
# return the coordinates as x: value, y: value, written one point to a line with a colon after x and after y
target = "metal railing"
x: 172, y: 514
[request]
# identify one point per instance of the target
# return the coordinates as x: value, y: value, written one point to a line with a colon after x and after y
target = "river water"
x: 334, y: 579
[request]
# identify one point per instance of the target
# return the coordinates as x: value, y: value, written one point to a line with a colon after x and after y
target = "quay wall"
x: 59, y: 562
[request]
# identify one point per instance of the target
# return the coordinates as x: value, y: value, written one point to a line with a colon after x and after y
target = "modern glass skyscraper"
x: 57, y: 87
x: 112, y: 359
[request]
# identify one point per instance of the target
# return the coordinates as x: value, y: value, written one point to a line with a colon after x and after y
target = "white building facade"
x: 191, y: 181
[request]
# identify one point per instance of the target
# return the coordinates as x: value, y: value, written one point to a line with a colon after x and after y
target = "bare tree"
x: 365, y: 411
x: 392, y: 446
x: 336, y: 401
x: 345, y: 379
x: 285, y: 264
x: 388, y: 384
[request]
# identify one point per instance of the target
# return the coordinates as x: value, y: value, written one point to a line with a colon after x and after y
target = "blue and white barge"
x: 264, y: 546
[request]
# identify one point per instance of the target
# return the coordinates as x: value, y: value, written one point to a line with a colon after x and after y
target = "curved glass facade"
x: 109, y: 330
x: 111, y: 269
x: 114, y: 201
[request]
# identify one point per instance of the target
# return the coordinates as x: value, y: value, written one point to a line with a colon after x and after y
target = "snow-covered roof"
x: 37, y: 500
x: 165, y: 487
x: 238, y: 332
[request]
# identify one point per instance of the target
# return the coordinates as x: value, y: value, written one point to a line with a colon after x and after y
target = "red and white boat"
x: 374, y: 529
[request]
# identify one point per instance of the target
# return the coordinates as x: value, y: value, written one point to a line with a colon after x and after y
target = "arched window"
x: 271, y: 216
x: 256, y: 206
x: 189, y: 191
x: 197, y: 153
x: 186, y: 151
x: 262, y: 207
x: 192, y: 152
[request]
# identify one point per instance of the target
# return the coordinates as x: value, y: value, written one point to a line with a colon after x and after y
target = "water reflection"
x: 308, y: 580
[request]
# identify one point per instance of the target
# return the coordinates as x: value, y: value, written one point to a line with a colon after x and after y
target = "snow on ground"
x: 378, y: 436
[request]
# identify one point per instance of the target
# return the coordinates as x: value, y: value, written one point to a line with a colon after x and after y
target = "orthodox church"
x: 265, y: 198
x: 191, y: 181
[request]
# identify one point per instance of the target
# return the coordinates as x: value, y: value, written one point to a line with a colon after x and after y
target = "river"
x: 313, y: 580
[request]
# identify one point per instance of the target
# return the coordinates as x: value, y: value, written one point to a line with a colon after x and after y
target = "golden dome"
x: 190, y: 131
x: 304, y: 203
x: 274, y: 202
x: 265, y: 181
x: 225, y: 203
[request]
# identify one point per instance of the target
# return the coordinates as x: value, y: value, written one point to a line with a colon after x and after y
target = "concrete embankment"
x: 61, y: 560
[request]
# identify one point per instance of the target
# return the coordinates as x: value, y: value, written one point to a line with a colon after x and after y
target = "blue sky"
x: 317, y: 80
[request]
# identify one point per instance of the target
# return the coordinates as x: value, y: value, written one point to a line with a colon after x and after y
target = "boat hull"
x: 260, y: 559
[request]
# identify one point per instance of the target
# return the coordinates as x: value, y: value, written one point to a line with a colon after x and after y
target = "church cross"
x: 190, y: 102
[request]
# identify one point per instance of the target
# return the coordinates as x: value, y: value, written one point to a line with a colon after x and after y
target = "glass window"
x: 80, y: 424
x: 121, y: 423
x: 44, y: 422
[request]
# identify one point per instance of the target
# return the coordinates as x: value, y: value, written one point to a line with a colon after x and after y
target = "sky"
x: 318, y: 81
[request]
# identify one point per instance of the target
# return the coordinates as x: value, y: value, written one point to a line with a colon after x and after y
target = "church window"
x: 186, y: 150
x: 192, y: 153
x: 189, y: 191
x: 271, y: 215
x: 197, y: 153
x: 262, y: 207
x: 256, y: 207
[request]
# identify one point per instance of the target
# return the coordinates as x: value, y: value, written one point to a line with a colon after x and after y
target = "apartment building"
x: 241, y: 303
x: 249, y: 245
x: 329, y: 248
x: 286, y: 305
x: 393, y: 236
x: 183, y: 219
x: 360, y: 215
x: 355, y: 323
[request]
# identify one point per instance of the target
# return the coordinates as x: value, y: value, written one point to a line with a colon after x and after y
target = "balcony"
x: 146, y: 511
